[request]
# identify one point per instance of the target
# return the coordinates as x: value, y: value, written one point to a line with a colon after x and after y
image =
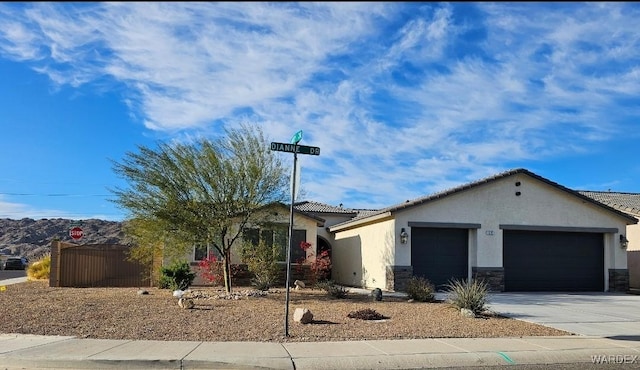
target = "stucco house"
x: 517, y: 230
x: 273, y: 229
x: 628, y: 203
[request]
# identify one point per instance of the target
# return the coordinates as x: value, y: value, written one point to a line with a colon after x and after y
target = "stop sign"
x: 76, y: 233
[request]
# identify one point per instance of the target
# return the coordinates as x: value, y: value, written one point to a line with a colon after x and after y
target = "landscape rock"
x: 186, y: 303
x: 467, y: 313
x: 142, y: 292
x: 377, y: 294
x: 303, y: 315
x: 299, y: 284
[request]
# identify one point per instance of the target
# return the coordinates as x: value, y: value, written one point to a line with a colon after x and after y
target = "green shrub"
x: 262, y: 282
x: 262, y: 262
x: 176, y: 276
x: 41, y: 269
x: 420, y: 289
x: 333, y: 290
x: 470, y: 295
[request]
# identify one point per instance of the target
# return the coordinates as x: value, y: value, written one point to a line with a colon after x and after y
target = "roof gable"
x: 388, y: 211
x: 319, y: 220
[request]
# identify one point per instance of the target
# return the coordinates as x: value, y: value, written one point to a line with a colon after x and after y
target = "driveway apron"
x: 612, y: 315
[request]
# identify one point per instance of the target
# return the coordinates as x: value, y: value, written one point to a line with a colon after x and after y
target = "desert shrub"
x: 366, y: 314
x: 333, y: 290
x: 262, y: 282
x: 176, y: 276
x: 319, y: 265
x: 262, y: 262
x: 211, y: 270
x: 420, y: 289
x: 41, y: 269
x: 470, y: 295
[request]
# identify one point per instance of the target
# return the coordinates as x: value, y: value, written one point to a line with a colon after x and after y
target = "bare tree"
x: 202, y: 193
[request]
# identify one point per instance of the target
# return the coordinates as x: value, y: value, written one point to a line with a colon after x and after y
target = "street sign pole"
x: 289, y: 247
x: 294, y: 148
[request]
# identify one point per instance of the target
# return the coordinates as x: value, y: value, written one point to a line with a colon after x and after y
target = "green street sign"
x: 295, y: 139
x: 293, y: 148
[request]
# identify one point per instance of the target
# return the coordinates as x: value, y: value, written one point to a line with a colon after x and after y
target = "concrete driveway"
x: 612, y: 315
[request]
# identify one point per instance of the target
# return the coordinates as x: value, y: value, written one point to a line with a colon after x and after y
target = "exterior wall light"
x: 404, y: 236
x: 624, y: 243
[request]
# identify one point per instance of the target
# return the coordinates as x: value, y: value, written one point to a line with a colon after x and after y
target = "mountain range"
x: 32, y: 238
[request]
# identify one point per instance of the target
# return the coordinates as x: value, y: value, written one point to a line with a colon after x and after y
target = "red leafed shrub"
x: 320, y: 265
x: 211, y: 270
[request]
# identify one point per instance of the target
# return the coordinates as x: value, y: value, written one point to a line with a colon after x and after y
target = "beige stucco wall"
x: 633, y: 235
x: 360, y: 256
x: 490, y: 205
x: 330, y: 220
x: 633, y: 254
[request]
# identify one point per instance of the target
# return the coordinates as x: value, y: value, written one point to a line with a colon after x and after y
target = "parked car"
x: 16, y: 263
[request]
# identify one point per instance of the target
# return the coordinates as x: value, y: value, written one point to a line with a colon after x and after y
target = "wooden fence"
x: 95, y: 265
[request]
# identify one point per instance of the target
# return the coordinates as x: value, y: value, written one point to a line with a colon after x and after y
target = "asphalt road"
x: 12, y: 274
x: 577, y: 366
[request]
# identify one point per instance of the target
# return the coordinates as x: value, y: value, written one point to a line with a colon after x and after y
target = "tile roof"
x: 365, y: 212
x: 312, y: 215
x: 625, y: 202
x: 317, y: 207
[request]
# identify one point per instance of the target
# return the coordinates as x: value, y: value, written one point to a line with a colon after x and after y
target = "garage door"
x: 553, y: 261
x: 440, y: 254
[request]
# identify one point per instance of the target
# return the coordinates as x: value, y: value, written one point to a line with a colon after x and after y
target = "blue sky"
x: 404, y: 99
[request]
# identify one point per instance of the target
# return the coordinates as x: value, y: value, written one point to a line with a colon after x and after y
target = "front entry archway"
x: 323, y: 248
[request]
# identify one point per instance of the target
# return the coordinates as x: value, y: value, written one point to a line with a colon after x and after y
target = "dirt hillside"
x: 32, y: 238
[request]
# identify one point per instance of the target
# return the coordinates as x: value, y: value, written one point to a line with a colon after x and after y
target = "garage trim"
x: 444, y: 225
x: 560, y: 228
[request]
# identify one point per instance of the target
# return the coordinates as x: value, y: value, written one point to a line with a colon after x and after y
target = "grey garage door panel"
x: 440, y: 254
x: 553, y: 261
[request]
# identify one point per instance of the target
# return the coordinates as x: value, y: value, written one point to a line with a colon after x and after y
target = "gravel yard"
x: 122, y: 313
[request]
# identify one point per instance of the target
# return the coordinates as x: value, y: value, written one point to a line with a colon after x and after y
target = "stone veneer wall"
x: 494, y: 276
x: 618, y: 280
x: 397, y: 277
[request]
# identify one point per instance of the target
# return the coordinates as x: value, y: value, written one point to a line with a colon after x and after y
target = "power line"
x: 57, y: 195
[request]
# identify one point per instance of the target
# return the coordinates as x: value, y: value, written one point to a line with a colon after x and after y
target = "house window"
x: 201, y: 252
x: 278, y: 236
x: 298, y: 254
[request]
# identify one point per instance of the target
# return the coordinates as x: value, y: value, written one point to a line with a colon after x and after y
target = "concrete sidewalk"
x: 13, y: 281
x: 54, y: 352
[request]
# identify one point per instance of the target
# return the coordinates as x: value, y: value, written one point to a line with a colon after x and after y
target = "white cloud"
x: 380, y: 89
x: 18, y: 211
